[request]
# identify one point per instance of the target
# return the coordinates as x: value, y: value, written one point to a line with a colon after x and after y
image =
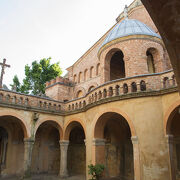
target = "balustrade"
x: 107, y: 90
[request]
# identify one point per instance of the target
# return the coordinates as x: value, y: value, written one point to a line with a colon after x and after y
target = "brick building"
x: 118, y: 105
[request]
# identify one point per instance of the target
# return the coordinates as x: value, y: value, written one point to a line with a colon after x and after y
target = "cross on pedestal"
x: 2, y: 71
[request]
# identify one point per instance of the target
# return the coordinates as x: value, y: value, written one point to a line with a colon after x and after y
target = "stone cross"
x: 2, y: 70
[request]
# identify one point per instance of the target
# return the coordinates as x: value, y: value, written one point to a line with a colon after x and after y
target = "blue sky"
x: 61, y: 29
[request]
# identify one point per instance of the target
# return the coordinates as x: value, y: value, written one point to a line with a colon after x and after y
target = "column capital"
x: 134, y: 139
x: 169, y: 138
x: 29, y: 140
x: 99, y: 142
x: 64, y: 142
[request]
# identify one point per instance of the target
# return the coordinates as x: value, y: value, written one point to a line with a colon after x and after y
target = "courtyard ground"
x: 46, y: 177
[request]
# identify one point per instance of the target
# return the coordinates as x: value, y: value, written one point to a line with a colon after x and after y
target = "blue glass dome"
x: 129, y: 27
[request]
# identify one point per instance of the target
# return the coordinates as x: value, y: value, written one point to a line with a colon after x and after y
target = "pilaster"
x: 169, y: 141
x: 136, y: 154
x: 99, y: 151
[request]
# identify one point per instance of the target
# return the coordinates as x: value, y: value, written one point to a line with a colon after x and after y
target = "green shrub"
x: 96, y: 171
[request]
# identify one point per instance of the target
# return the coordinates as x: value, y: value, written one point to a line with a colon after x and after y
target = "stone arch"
x: 157, y: 53
x: 91, y: 74
x: 23, y: 123
x: 113, y: 145
x: 46, y: 149
x: 79, y: 89
x: 172, y: 134
x: 16, y: 128
x: 76, y: 154
x: 169, y: 116
x: 75, y: 78
x: 79, y: 94
x: 55, y: 123
x: 85, y: 74
x: 70, y: 125
x: 114, y: 69
x: 118, y: 111
x: 98, y: 69
x: 80, y: 77
x: 92, y: 86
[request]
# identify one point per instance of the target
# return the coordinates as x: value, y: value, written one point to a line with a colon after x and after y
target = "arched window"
x: 79, y: 94
x: 85, y: 74
x: 75, y: 78
x: 80, y: 77
x: 150, y: 61
x: 91, y: 72
x: 91, y: 88
x: 117, y: 67
x: 133, y: 87
x: 143, y: 85
x: 98, y: 69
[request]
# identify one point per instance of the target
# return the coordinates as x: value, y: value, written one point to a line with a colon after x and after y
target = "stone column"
x: 63, y: 167
x: 169, y: 141
x: 136, y: 155
x: 99, y: 154
x: 28, y: 147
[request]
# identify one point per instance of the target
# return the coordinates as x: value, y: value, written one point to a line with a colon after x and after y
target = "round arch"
x: 114, y: 110
x: 114, y: 64
x: 54, y: 122
x: 22, y: 122
x: 154, y: 53
x: 94, y: 85
x: 145, y: 46
x: 169, y: 116
x: 79, y: 89
x: 70, y: 125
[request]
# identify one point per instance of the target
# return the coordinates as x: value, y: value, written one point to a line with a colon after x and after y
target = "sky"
x: 61, y: 29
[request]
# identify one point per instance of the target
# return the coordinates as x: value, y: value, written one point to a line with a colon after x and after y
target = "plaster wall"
x: 146, y: 115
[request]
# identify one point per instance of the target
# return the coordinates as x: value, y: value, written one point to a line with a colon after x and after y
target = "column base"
x: 64, y: 176
x: 27, y: 175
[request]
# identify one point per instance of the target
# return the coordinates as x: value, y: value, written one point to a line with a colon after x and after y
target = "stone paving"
x: 45, y: 177
x: 53, y: 177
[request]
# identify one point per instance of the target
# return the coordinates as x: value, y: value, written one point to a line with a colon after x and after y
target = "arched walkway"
x: 173, y: 138
x: 46, y: 150
x: 113, y: 146
x: 12, y: 134
x: 76, y: 154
